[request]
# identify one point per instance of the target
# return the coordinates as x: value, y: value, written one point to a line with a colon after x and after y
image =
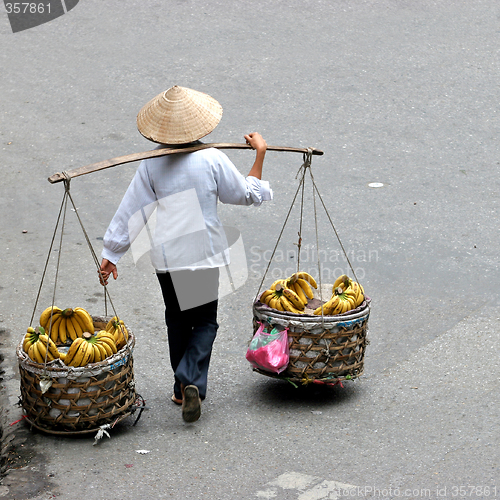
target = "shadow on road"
x: 284, y: 394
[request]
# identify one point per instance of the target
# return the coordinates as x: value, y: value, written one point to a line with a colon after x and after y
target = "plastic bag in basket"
x: 269, y: 351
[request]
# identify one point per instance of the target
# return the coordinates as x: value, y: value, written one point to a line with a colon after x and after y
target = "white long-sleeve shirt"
x: 170, y: 209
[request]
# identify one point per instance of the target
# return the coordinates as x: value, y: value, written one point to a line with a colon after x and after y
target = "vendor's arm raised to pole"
x: 120, y: 160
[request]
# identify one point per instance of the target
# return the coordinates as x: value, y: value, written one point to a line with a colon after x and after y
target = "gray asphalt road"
x: 395, y: 92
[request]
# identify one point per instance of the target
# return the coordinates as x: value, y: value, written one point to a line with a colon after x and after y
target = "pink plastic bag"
x: 269, y: 351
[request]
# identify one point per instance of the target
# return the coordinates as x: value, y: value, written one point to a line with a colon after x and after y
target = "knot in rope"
x: 307, y: 158
x: 67, y: 180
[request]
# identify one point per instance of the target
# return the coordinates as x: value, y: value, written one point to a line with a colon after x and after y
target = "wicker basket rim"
x: 328, y: 322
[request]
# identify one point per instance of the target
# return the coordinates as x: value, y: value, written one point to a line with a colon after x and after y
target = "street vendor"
x: 188, y: 246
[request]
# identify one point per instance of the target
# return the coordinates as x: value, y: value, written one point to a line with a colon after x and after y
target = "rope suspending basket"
x: 68, y: 398
x: 326, y: 343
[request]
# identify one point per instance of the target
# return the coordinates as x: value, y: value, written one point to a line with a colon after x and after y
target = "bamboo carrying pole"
x: 120, y: 160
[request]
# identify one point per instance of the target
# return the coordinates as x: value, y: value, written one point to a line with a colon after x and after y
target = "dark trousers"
x: 191, y: 332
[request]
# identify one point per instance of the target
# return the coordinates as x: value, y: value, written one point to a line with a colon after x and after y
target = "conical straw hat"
x: 178, y: 116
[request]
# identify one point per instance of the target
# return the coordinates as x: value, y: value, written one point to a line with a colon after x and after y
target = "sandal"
x: 191, y: 404
x: 176, y: 400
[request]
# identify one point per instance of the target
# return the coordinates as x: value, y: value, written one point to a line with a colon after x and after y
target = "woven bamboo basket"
x: 79, y: 399
x: 324, y: 350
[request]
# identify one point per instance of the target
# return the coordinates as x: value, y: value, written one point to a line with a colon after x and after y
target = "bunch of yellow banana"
x: 107, y: 340
x: 300, y: 283
x: 283, y: 299
x: 117, y: 328
x: 39, y: 347
x: 79, y: 353
x: 340, y: 302
x: 64, y: 324
x: 90, y: 349
x: 346, y: 295
x: 290, y: 294
x: 30, y: 338
x: 345, y: 283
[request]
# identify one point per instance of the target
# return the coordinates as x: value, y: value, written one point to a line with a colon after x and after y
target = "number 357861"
x: 27, y: 8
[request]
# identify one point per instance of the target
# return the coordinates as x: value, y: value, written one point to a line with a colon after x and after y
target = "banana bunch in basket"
x: 58, y: 327
x: 117, y: 328
x: 347, y: 294
x: 66, y: 324
x: 39, y: 347
x: 291, y: 294
x: 90, y: 349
